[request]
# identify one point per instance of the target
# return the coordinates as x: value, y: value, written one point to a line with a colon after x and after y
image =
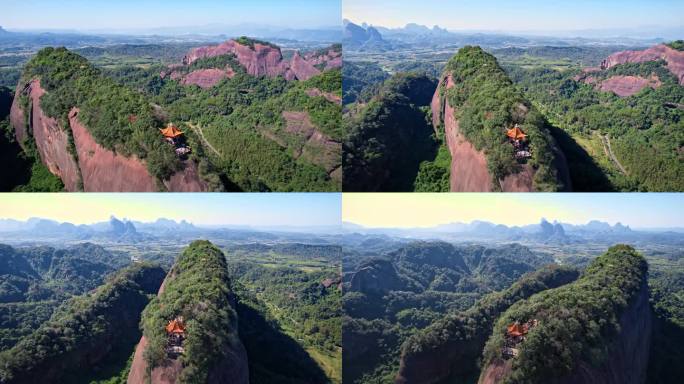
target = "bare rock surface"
x: 673, y: 57
x: 51, y: 140
x: 624, y: 86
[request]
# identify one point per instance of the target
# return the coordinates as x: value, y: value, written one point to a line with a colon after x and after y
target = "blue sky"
x: 639, y: 210
x: 252, y: 209
x: 518, y: 15
x: 123, y: 14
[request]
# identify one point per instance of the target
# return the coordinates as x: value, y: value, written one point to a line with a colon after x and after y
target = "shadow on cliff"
x: 665, y: 361
x: 16, y: 167
x: 116, y: 362
x: 274, y: 357
x: 585, y: 174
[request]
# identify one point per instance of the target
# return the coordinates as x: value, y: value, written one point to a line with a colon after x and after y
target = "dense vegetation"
x: 577, y: 322
x: 197, y: 288
x: 645, y: 131
x: 461, y: 337
x: 289, y: 310
x: 486, y: 104
x: 677, y: 44
x: 389, y: 137
x: 361, y: 80
x: 35, y: 280
x: 248, y: 41
x: 85, y: 332
x: 289, y: 323
x: 391, y: 297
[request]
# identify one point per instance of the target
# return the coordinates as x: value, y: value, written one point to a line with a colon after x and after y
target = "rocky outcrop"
x: 624, y: 86
x: 469, y: 167
x: 267, y: 60
x: 332, y: 59
x: 469, y: 172
x: 207, y: 78
x: 673, y: 57
x: 302, y: 69
x: 93, y: 168
x: 52, y: 141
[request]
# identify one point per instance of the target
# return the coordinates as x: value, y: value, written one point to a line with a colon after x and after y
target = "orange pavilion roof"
x: 516, y: 133
x: 171, y: 131
x: 175, y: 326
x: 516, y: 329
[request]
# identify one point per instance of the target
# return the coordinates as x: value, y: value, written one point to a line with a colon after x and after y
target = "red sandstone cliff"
x: 265, y: 60
x: 51, y: 140
x: 469, y: 172
x: 673, y: 57
x: 96, y: 169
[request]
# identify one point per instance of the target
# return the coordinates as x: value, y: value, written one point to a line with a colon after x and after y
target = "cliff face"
x: 95, y: 169
x: 469, y: 171
x: 51, y: 140
x: 104, y: 170
x: 673, y: 57
x: 265, y: 60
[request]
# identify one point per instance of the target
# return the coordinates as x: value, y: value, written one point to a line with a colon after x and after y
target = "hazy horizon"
x: 201, y: 209
x: 126, y: 15
x: 532, y: 17
x: 425, y: 210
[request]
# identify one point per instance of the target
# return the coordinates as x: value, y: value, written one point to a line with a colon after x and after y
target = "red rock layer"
x: 673, y: 57
x: 169, y: 372
x: 264, y: 60
x: 206, y: 78
x: 104, y: 170
x: 469, y: 172
x: 624, y: 86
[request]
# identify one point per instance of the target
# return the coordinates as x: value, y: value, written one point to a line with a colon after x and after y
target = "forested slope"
x: 85, y: 332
